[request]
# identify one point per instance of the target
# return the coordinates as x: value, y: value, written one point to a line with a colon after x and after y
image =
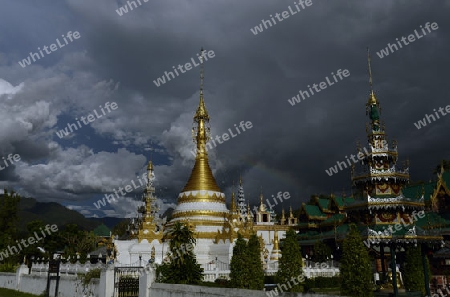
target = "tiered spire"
x: 276, y: 254
x: 283, y: 217
x: 201, y: 177
x: 233, y: 204
x: 149, y: 230
x: 241, y: 199
x: 201, y: 201
x: 262, y: 206
x: 377, y: 174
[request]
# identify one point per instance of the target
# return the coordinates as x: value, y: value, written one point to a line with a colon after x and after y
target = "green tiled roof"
x: 324, y: 204
x: 308, y: 237
x: 415, y: 192
x: 314, y: 211
x: 341, y: 201
x: 337, y: 218
x: 435, y: 220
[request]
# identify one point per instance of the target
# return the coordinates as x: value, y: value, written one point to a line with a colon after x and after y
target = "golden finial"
x: 372, y: 98
x: 291, y: 215
x: 150, y: 164
x: 261, y: 198
x: 283, y: 217
x: 201, y: 113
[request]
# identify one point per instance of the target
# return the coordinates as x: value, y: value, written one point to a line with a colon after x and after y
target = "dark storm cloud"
x: 250, y: 78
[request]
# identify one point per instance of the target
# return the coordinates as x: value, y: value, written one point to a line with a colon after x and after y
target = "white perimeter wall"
x: 69, y: 285
x: 171, y: 290
x: 8, y: 280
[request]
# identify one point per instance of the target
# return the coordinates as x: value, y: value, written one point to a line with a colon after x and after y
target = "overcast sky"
x: 116, y: 58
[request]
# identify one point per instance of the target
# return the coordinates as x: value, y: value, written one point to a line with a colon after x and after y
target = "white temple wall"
x: 206, y: 251
x: 69, y: 285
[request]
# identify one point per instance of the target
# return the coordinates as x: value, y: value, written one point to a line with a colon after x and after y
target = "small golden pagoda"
x: 148, y: 229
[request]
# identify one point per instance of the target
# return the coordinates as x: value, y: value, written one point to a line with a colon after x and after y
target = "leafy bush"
x: 8, y: 267
x: 94, y: 273
x: 322, y: 282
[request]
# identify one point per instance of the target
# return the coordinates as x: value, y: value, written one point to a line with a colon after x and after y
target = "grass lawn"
x: 13, y: 293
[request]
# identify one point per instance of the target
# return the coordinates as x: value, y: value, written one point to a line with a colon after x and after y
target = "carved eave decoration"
x: 374, y: 203
x: 201, y: 196
x: 232, y: 228
x: 441, y: 189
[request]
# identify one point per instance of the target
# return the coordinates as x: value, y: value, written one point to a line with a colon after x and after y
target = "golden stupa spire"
x: 262, y: 207
x: 233, y: 202
x: 276, y: 248
x: 201, y: 177
x: 291, y: 215
x: 148, y: 228
x: 249, y: 214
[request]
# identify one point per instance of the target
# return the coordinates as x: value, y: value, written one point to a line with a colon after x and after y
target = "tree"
x: 182, y: 266
x: 77, y: 242
x: 246, y: 270
x: 356, y: 271
x: 291, y: 262
x: 413, y: 270
x: 121, y: 229
x: 8, y: 222
x: 322, y: 252
x: 256, y: 271
x: 238, y: 265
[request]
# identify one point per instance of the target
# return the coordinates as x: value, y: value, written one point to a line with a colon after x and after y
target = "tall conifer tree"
x: 290, y: 264
x: 239, y: 271
x: 356, y: 271
x: 413, y: 270
x: 256, y: 275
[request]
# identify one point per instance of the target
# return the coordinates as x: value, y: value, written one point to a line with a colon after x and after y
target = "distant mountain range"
x: 54, y: 213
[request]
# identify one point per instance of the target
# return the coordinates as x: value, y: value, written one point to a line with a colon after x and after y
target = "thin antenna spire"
x: 151, y: 150
x: 201, y: 70
x: 370, y: 70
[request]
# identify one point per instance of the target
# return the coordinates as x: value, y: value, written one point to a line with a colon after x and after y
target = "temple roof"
x: 335, y: 219
x: 415, y: 191
x: 313, y: 212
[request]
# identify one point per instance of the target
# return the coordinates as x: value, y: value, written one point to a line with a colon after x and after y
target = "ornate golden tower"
x: 201, y: 202
x: 148, y: 229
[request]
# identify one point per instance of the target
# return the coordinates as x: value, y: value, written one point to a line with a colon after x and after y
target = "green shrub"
x: 322, y: 282
x: 8, y: 267
x: 94, y: 273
